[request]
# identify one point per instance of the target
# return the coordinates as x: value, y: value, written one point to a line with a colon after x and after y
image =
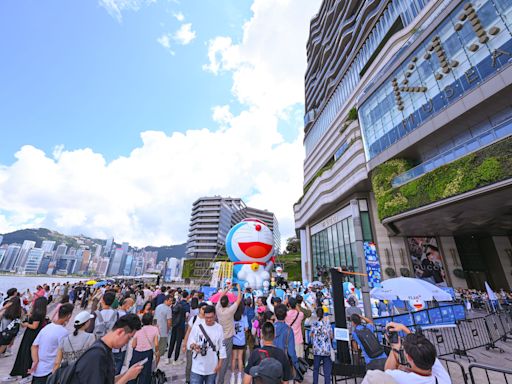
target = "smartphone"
x: 142, y: 362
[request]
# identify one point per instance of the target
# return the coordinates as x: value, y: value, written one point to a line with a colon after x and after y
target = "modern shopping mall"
x: 408, y: 124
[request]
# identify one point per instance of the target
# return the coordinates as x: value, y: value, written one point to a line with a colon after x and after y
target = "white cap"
x: 82, y: 318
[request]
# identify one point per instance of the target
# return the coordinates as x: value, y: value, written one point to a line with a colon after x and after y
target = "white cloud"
x: 179, y: 16
x: 115, y: 8
x: 165, y: 41
x: 146, y: 197
x: 185, y: 34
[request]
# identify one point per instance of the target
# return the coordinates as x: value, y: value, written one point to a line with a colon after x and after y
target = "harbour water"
x: 22, y: 283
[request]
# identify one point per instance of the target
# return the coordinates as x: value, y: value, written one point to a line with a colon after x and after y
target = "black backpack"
x: 64, y: 374
x: 369, y: 342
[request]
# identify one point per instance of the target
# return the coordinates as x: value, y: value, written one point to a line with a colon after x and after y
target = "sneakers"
x: 232, y: 380
x: 26, y: 380
x: 6, y: 354
x: 168, y: 361
x: 240, y: 378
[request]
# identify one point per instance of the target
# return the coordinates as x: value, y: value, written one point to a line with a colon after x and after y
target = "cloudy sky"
x: 115, y: 115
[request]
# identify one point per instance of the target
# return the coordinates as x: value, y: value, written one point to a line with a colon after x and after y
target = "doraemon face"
x: 250, y: 240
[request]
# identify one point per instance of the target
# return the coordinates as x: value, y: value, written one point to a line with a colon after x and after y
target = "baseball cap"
x: 82, y: 318
x: 269, y: 370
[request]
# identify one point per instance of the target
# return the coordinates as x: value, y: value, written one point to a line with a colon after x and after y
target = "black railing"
x: 493, y: 375
x: 455, y: 370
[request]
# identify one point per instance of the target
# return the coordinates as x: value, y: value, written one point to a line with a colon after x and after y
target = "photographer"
x: 208, y: 350
x: 413, y: 360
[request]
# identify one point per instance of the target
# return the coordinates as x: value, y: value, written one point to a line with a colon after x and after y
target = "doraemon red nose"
x: 257, y: 227
x: 255, y: 249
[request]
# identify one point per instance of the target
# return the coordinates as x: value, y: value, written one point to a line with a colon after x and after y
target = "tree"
x: 292, y: 245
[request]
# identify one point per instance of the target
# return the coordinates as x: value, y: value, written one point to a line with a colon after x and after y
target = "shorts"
x: 239, y: 347
x: 162, y: 345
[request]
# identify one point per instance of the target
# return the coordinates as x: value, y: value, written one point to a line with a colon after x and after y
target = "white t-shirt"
x: 163, y: 313
x: 205, y: 365
x: 438, y: 371
x: 48, y: 341
x: 198, y: 321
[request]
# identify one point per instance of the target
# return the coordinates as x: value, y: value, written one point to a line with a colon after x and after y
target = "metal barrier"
x: 455, y: 370
x: 493, y: 375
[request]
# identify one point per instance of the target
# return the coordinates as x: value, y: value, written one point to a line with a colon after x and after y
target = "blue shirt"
x: 367, y: 358
x: 283, y: 331
x: 249, y: 313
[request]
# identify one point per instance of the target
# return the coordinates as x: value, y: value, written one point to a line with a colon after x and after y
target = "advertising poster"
x: 372, y: 264
x: 427, y: 260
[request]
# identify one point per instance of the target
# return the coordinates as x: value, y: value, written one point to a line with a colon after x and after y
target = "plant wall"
x: 486, y: 166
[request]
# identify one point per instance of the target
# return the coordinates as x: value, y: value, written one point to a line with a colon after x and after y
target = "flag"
x: 490, y: 292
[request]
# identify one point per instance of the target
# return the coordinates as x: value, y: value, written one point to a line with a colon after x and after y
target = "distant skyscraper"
x: 86, y: 257
x: 34, y: 258
x: 3, y: 251
x: 108, y: 247
x: 10, y: 257
x: 115, y: 263
x: 45, y: 263
x: 22, y: 256
x: 97, y: 251
x: 61, y: 251
x: 103, y: 266
x: 1, y: 239
x: 48, y: 245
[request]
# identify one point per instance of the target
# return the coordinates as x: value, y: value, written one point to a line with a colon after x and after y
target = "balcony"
x: 474, y: 144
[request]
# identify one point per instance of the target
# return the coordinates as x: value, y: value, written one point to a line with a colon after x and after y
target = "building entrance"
x: 480, y: 262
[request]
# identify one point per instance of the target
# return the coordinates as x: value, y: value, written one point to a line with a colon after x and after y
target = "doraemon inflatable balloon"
x: 250, y: 246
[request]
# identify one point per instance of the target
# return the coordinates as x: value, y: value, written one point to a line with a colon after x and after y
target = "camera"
x: 392, y: 336
x: 204, y: 348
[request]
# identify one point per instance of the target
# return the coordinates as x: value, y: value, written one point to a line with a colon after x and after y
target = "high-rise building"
x: 408, y: 127
x: 10, y: 257
x: 1, y: 239
x: 48, y: 245
x: 108, y: 247
x: 60, y: 251
x: 115, y: 263
x: 45, y: 264
x: 270, y: 220
x: 22, y: 256
x: 103, y: 265
x: 211, y: 220
x: 34, y: 258
x: 86, y: 258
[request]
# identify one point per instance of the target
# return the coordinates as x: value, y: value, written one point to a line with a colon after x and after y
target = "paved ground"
x: 500, y: 357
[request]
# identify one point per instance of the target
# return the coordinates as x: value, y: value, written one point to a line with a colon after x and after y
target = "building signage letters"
x: 446, y: 64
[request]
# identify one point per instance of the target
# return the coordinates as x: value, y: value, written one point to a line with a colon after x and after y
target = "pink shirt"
x: 145, y: 338
x: 297, y: 325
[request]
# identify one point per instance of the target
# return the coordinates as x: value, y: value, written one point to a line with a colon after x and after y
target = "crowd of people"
x: 123, y: 332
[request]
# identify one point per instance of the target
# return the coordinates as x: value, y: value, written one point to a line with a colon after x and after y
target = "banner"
x: 427, y: 260
x: 372, y: 264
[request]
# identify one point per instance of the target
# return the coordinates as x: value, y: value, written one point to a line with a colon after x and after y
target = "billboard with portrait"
x: 427, y: 260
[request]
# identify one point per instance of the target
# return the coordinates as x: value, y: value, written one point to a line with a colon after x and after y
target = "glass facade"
x: 335, y: 247
x: 407, y: 10
x: 470, y: 45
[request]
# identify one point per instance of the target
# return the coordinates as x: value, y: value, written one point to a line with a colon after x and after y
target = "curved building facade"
x: 408, y: 126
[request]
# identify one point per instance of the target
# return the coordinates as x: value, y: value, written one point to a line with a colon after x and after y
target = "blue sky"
x: 115, y: 115
x: 72, y: 74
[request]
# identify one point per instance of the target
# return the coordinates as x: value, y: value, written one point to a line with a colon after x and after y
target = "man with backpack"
x: 285, y: 339
x: 364, y: 335
x: 105, y: 320
x: 265, y: 362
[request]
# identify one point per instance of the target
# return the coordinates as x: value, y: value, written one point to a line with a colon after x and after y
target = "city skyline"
x: 158, y: 115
